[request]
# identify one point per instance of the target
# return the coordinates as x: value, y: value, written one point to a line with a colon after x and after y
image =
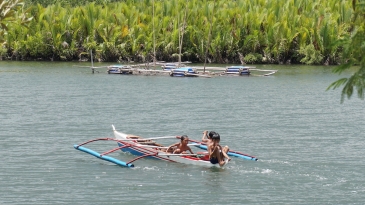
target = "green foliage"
x: 353, y: 54
x: 310, y: 32
x: 3, y: 51
x: 63, y: 3
x: 310, y: 55
x: 252, y: 58
x: 224, y: 31
x: 11, y: 13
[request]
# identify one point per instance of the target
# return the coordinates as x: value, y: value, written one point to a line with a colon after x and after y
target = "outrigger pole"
x: 103, y: 155
x: 151, y: 138
x: 159, y: 147
x: 117, y: 161
x: 106, y: 158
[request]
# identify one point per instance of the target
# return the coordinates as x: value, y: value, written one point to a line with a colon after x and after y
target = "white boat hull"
x: 139, y: 150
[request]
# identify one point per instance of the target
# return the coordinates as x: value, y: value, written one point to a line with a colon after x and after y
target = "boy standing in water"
x: 216, y: 153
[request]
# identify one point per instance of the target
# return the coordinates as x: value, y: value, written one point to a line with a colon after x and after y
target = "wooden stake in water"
x: 92, y: 61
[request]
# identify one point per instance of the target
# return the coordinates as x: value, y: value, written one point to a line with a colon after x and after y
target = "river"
x: 310, y: 147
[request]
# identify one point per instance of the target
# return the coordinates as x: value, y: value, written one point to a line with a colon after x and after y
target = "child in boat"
x: 217, y: 154
x: 180, y: 147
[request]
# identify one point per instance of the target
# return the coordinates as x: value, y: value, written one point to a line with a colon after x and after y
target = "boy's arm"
x: 209, y: 150
x: 205, y: 136
x: 173, y: 145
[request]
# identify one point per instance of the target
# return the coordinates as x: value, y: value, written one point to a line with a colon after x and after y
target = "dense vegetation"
x: 255, y: 31
x: 245, y: 31
x: 72, y: 3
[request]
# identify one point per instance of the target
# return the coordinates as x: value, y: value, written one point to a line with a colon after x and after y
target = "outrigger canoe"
x: 147, y: 148
x: 238, y: 70
x: 120, y: 69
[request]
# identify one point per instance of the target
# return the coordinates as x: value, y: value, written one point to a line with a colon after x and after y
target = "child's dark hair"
x: 216, y: 136
x: 184, y: 137
x: 211, y: 134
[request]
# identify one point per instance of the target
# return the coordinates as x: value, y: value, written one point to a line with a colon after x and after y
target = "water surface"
x: 310, y: 147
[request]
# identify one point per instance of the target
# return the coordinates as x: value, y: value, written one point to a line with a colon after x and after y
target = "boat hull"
x: 184, y: 72
x: 238, y: 70
x: 120, y: 72
x: 120, y: 69
x: 138, y: 150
